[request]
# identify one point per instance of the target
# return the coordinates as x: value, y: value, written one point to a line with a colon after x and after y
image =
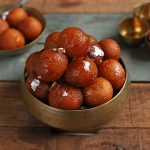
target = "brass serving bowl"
x: 32, y: 12
x: 142, y: 11
x: 76, y: 120
x: 133, y: 30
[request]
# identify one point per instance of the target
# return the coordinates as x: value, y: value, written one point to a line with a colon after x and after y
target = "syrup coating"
x: 30, y: 27
x: 51, y: 65
x: 15, y: 16
x: 11, y: 39
x: 75, y: 42
x: 63, y: 96
x: 113, y: 71
x: 97, y: 93
x: 81, y: 72
x: 38, y: 88
x: 111, y: 48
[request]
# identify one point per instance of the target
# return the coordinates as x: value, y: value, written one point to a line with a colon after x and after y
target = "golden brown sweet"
x: 30, y: 27
x: 81, y: 72
x: 11, y: 39
x: 63, y: 96
x: 52, y: 40
x: 38, y: 88
x: 113, y: 71
x: 32, y: 61
x: 97, y: 93
x: 75, y: 42
x: 111, y: 49
x: 51, y: 65
x: 15, y: 16
x: 3, y: 25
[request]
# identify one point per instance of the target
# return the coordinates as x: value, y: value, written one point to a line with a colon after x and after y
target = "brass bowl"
x: 133, y: 30
x: 76, y: 120
x: 142, y: 11
x: 32, y: 12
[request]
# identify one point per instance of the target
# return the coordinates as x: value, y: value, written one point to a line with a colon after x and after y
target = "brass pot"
x: 76, y: 120
x: 32, y: 12
x: 142, y: 11
x: 133, y: 30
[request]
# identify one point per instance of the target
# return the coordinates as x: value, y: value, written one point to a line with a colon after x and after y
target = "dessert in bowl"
x: 75, y: 83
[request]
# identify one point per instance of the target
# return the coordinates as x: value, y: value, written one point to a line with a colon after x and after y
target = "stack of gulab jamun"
x: 75, y: 71
x: 18, y: 29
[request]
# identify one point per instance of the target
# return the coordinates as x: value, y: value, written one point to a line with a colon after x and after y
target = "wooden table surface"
x: 130, y: 130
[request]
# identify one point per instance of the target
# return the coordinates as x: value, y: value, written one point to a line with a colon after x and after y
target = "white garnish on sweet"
x: 39, y: 77
x: 96, y: 51
x: 54, y: 49
x: 117, y: 70
x: 64, y: 93
x: 34, y: 84
x: 86, y: 65
x: 61, y: 50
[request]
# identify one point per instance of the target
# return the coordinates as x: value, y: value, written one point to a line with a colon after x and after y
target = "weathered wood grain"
x: 41, y: 139
x: 78, y: 6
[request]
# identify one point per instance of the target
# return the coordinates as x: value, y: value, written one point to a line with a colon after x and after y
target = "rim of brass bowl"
x: 139, y: 9
x: 33, y: 12
x: 131, y: 39
x: 76, y: 120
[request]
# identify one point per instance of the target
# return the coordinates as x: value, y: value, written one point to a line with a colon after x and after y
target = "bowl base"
x: 56, y: 131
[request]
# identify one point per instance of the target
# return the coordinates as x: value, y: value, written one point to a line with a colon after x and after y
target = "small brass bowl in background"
x: 142, y: 11
x: 133, y: 30
x: 32, y: 12
x: 76, y: 120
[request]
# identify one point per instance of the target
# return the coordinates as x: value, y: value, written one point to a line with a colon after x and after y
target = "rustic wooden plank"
x: 78, y: 6
x: 69, y: 6
x: 23, y: 138
x: 135, y: 114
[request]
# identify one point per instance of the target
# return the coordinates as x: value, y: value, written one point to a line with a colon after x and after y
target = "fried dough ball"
x: 30, y: 27
x: 3, y: 25
x: 97, y: 93
x: 52, y: 40
x: 63, y: 96
x: 32, y: 61
x: 81, y: 72
x: 97, y: 54
x: 38, y: 88
x: 113, y: 71
x: 51, y: 65
x: 111, y: 49
x: 75, y: 42
x: 15, y: 16
x: 11, y: 39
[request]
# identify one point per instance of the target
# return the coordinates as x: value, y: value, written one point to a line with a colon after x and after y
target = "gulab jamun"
x: 63, y: 96
x: 75, y: 42
x: 11, y: 39
x: 111, y: 48
x: 32, y: 61
x: 3, y: 25
x: 51, y: 65
x: 15, y: 16
x: 52, y: 40
x: 38, y: 88
x: 97, y: 54
x: 30, y: 27
x: 81, y: 72
x: 113, y: 71
x: 97, y: 93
